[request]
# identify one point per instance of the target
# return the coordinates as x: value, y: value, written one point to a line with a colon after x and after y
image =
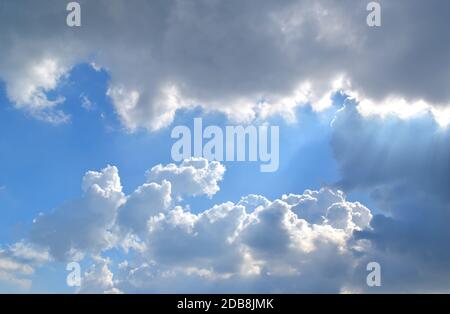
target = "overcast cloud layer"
x: 247, y: 59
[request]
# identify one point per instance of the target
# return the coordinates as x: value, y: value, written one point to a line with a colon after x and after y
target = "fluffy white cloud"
x: 98, y: 279
x: 316, y: 241
x: 265, y: 247
x: 256, y: 244
x: 84, y: 225
x: 196, y: 176
x: 245, y: 60
x: 313, y: 206
x: 104, y: 216
x: 147, y: 201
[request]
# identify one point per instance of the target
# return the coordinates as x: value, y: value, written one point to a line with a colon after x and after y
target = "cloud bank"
x: 294, y: 243
x: 247, y: 60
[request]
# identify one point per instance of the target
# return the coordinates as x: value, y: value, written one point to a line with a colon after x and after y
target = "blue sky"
x: 95, y: 138
x: 86, y: 115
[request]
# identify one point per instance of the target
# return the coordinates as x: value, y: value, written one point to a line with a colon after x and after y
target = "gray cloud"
x: 403, y: 165
x: 245, y: 59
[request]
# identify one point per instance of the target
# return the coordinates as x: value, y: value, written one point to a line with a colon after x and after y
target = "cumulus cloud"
x: 196, y: 176
x: 98, y: 278
x: 247, y: 60
x: 231, y: 247
x: 104, y: 216
x: 84, y: 225
x: 317, y: 241
x: 253, y: 245
x: 148, y: 200
x: 313, y: 206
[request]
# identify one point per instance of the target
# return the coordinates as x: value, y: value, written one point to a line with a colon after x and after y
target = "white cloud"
x: 195, y: 176
x: 247, y: 60
x: 252, y: 245
x: 28, y: 252
x: 98, y: 279
x: 265, y: 248
x: 27, y: 87
x: 314, y: 207
x: 317, y: 241
x: 148, y: 200
x: 18, y: 263
x: 84, y: 225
